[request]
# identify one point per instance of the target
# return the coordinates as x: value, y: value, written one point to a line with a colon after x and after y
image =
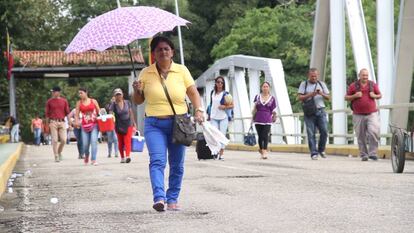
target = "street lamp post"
x: 179, y: 35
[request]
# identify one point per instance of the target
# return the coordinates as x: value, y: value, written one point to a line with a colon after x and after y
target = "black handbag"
x: 183, y: 129
x: 309, y: 106
x: 250, y: 138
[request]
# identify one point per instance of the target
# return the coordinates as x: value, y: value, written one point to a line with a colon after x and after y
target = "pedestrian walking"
x: 57, y: 108
x: 159, y: 119
x: 46, y: 138
x: 89, y: 127
x: 365, y: 116
x: 220, y: 108
x: 14, y: 126
x: 124, y: 123
x: 36, y: 128
x: 313, y: 93
x: 111, y: 135
x: 77, y: 131
x: 264, y: 114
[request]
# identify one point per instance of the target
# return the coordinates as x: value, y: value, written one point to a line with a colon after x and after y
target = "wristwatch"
x: 199, y: 110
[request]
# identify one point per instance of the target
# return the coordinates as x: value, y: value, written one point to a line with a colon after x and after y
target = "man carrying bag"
x: 312, y: 93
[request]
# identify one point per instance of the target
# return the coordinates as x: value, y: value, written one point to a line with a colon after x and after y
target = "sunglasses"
x: 219, y: 82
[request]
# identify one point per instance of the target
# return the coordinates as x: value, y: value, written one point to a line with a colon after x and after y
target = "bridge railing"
x: 301, y: 135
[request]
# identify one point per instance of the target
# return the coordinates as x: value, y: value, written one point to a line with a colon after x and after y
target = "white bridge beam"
x: 404, y: 62
x: 273, y: 70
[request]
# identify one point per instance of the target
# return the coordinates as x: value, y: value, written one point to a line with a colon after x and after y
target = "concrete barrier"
x: 9, y: 154
x: 4, y: 138
x: 346, y: 150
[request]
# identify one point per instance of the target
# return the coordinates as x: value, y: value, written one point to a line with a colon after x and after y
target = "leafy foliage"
x: 282, y: 32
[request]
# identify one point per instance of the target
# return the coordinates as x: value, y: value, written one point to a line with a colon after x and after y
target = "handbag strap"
x: 168, y: 95
x: 250, y: 129
x: 306, y: 85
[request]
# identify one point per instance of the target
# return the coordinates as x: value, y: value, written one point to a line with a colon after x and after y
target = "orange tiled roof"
x: 59, y: 58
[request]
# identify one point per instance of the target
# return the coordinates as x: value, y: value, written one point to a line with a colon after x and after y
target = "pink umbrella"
x: 122, y: 26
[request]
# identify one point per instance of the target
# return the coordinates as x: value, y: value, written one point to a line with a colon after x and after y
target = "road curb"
x: 345, y: 150
x: 7, y: 167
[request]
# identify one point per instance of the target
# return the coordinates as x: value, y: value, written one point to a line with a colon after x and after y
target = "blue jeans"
x: 221, y: 125
x: 158, y: 136
x: 90, y: 139
x: 36, y: 134
x: 317, y: 121
x: 78, y: 135
x: 14, y: 133
x: 112, y: 139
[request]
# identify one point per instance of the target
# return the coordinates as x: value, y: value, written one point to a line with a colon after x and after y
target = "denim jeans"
x: 90, y: 139
x: 112, y: 139
x: 158, y: 136
x: 78, y: 135
x: 36, y: 134
x: 221, y: 125
x: 14, y: 133
x: 319, y: 121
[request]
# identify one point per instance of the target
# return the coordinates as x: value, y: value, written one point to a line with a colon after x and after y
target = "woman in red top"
x: 90, y: 109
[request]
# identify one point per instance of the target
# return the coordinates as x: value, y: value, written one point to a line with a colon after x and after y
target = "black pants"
x: 263, y: 133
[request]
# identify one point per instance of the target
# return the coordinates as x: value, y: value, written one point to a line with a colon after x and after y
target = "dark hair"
x: 224, y: 83
x: 261, y: 86
x: 84, y: 90
x: 158, y: 39
x: 265, y: 82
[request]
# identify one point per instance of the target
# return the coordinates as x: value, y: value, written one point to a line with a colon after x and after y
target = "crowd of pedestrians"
x: 164, y: 87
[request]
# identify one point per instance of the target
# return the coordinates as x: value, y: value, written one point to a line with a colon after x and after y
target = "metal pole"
x: 179, y: 35
x: 12, y: 95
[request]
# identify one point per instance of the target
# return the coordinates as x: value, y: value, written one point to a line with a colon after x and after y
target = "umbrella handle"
x: 132, y: 62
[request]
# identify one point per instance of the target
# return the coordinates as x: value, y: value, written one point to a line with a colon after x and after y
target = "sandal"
x: 173, y: 207
x: 158, y: 206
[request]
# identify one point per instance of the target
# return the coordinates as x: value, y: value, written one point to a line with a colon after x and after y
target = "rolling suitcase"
x: 203, y: 152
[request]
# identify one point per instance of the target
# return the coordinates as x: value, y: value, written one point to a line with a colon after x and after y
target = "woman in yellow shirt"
x: 159, y: 118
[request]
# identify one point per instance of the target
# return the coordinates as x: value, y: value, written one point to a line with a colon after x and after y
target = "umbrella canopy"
x: 122, y: 26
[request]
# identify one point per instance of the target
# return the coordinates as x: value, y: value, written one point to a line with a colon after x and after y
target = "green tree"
x: 282, y: 32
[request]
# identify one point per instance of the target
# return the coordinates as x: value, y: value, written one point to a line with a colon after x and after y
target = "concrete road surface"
x: 286, y: 193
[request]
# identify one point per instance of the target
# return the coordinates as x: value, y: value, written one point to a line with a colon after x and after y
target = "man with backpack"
x: 362, y: 95
x: 312, y: 93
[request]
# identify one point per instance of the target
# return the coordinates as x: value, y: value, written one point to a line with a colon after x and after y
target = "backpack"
x: 358, y: 88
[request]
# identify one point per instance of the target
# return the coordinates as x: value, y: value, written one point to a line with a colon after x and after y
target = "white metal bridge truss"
x: 242, y: 77
x: 394, y: 73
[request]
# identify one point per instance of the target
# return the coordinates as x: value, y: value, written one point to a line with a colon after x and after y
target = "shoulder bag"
x: 183, y: 129
x: 309, y: 105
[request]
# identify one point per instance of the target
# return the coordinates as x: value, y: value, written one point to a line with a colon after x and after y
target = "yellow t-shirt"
x: 177, y: 82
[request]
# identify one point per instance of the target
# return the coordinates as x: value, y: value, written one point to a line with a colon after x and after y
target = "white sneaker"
x: 314, y: 157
